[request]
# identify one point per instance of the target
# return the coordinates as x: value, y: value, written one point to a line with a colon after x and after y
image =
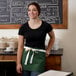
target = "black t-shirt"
x: 35, y: 38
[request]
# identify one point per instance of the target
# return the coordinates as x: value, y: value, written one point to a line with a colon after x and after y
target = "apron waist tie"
x: 32, y: 56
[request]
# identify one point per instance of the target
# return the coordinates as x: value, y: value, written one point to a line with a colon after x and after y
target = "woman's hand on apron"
x: 19, y: 68
x: 47, y: 53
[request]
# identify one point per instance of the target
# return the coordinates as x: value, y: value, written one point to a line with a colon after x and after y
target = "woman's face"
x: 32, y: 12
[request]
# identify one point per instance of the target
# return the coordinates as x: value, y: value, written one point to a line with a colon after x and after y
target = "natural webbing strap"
x: 32, y: 56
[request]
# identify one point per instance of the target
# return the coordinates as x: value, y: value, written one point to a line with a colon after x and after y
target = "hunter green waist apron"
x: 33, y: 60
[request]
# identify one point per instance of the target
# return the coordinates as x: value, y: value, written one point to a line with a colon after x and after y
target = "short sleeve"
x: 49, y: 28
x: 21, y: 30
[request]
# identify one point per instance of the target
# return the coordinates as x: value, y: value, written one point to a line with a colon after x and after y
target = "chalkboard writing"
x: 15, y: 11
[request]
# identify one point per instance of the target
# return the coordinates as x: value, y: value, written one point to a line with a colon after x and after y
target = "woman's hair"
x: 37, y: 6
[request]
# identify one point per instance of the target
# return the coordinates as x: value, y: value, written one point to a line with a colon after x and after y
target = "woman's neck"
x: 34, y: 21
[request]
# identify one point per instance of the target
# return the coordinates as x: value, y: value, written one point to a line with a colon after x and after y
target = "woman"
x: 31, y: 54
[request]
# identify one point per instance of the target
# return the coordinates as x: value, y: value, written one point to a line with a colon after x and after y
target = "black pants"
x: 8, y: 69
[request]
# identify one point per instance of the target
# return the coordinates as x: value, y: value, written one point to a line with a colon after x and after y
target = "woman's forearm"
x: 20, y: 49
x: 51, y: 41
x: 19, y: 55
x: 50, y: 44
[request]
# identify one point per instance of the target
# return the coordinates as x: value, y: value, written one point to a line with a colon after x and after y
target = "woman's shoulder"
x: 47, y: 26
x: 24, y: 24
x: 46, y: 23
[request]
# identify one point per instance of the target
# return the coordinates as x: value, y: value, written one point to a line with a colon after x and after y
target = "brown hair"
x: 37, y: 6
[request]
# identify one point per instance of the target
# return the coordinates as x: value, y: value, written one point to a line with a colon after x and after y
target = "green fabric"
x: 38, y: 63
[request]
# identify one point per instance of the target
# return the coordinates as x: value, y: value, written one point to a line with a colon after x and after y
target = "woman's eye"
x: 29, y: 10
x: 32, y: 10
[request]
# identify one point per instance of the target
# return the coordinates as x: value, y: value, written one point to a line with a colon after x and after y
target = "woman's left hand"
x: 47, y: 53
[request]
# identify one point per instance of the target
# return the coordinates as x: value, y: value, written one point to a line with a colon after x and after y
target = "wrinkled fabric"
x: 38, y: 62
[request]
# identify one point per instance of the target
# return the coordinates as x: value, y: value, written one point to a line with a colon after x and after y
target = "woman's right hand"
x: 19, y: 68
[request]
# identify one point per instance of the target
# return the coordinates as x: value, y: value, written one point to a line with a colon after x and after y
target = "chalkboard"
x: 15, y: 11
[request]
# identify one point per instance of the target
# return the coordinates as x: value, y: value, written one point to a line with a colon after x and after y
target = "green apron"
x: 38, y: 62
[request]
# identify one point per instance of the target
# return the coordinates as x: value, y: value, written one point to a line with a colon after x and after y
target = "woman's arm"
x: 19, y: 53
x: 51, y: 42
